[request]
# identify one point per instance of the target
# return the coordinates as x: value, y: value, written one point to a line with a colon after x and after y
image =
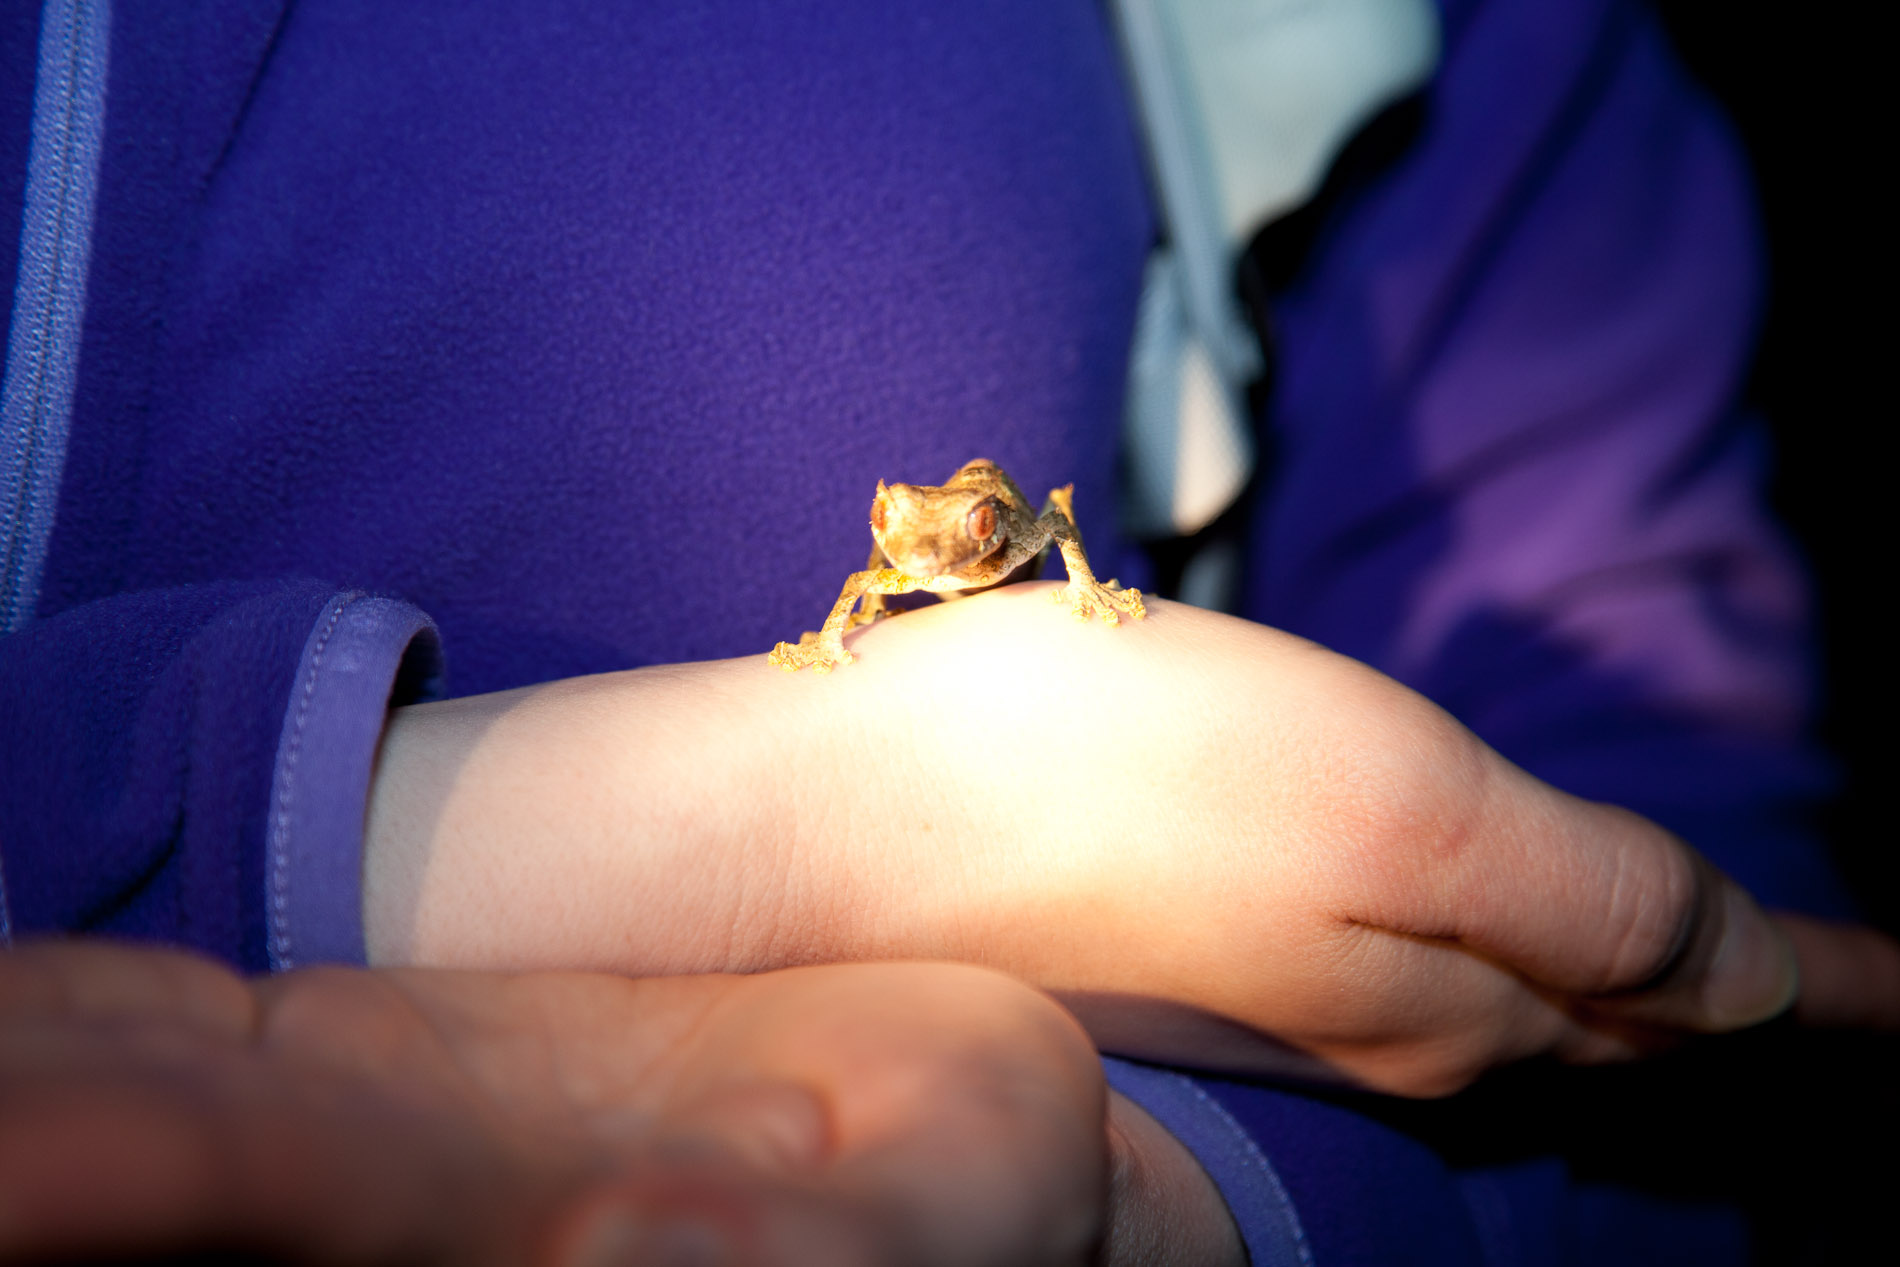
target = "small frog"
x: 973, y: 532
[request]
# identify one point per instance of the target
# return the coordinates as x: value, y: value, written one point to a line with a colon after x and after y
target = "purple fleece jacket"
x: 409, y: 329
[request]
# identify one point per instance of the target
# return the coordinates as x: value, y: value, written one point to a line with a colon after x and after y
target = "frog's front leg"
x: 1086, y: 596
x: 871, y: 608
x: 824, y: 650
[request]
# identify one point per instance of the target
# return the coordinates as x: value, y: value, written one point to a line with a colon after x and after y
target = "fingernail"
x: 1754, y: 975
x: 624, y: 1238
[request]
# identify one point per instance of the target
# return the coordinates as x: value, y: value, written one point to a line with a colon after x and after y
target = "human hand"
x: 153, y: 1103
x: 1218, y: 844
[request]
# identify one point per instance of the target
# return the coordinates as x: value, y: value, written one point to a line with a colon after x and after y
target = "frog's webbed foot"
x: 813, y: 651
x: 1088, y: 599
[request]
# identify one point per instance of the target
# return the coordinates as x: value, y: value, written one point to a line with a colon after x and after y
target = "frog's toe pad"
x: 810, y: 653
x: 1111, y: 602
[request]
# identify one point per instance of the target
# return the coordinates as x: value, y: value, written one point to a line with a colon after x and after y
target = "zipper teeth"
x: 49, y: 290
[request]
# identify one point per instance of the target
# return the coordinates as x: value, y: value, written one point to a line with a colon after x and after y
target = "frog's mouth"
x: 938, y: 559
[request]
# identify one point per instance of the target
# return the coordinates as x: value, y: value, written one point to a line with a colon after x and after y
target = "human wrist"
x: 616, y: 822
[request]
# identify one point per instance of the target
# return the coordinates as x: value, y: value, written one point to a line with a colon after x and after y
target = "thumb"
x: 1733, y: 966
x: 1604, y: 906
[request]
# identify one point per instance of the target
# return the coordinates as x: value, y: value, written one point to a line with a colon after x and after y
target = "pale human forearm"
x: 1219, y: 844
x: 960, y: 792
x: 625, y: 822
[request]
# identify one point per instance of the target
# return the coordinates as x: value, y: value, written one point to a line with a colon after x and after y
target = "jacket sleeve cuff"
x: 1269, y: 1225
x: 364, y: 654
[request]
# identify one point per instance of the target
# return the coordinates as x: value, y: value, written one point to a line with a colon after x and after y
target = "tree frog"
x: 974, y: 531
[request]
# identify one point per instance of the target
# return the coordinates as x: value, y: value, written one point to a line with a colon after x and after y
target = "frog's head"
x: 927, y: 531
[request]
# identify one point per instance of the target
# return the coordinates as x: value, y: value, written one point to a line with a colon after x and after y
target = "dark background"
x: 1802, y: 1126
x: 1805, y: 1126
x: 1803, y: 88
x: 1806, y: 90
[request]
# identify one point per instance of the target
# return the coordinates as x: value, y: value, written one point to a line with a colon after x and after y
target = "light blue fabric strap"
x: 1269, y: 1225
x: 49, y: 300
x: 1244, y: 104
x: 49, y: 293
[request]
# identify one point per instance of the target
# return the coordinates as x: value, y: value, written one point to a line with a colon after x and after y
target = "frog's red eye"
x: 877, y: 515
x: 982, y: 521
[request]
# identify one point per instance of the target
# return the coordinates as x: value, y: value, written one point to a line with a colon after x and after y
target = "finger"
x: 1427, y: 1017
x: 712, y: 1214
x: 1591, y: 901
x: 102, y: 1157
x: 94, y: 981
x: 954, y: 1108
x: 985, y: 1174
x: 1482, y: 1018
x: 773, y: 1128
x: 1733, y: 967
x: 958, y: 1110
x: 361, y: 1026
x: 1850, y: 976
